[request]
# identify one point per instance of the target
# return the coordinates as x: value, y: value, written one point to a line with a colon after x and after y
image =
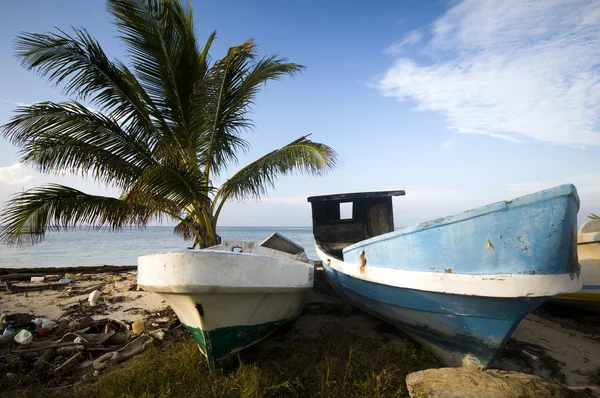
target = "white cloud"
x: 411, y: 38
x: 516, y: 70
x: 17, y: 174
x: 424, y: 203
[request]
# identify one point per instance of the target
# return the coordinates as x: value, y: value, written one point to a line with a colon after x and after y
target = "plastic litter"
x: 48, y: 324
x: 24, y: 337
x: 65, y: 280
x: 37, y: 278
x: 137, y: 327
x: 93, y: 299
x: 529, y: 355
x: 8, y: 331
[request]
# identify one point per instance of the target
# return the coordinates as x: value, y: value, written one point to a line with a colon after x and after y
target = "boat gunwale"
x: 483, y: 285
x: 556, y: 192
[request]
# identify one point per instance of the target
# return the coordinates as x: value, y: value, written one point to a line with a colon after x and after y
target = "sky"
x: 459, y: 103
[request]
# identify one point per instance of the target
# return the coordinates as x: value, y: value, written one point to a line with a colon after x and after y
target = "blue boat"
x: 460, y: 284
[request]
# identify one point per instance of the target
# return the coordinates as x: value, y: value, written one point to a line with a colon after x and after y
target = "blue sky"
x: 460, y: 103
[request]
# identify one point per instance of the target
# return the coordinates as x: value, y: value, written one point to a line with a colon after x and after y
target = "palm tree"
x: 163, y: 128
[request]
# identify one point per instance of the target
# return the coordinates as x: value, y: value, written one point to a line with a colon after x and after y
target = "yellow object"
x: 137, y: 327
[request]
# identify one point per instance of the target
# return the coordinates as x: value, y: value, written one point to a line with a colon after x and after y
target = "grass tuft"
x: 334, y: 363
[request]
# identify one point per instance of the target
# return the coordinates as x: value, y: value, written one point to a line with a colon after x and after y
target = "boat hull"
x: 461, y: 284
x: 228, y: 300
x: 224, y: 324
x: 588, y: 250
x: 460, y: 330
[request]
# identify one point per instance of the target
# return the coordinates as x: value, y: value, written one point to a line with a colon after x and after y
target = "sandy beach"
x: 556, y: 344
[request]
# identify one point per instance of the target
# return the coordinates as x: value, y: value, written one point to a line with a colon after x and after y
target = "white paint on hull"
x: 495, y: 285
x: 257, y: 286
x: 588, y: 252
x: 243, y: 309
x: 215, y: 271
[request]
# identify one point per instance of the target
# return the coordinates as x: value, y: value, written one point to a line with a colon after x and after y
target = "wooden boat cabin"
x: 344, y: 219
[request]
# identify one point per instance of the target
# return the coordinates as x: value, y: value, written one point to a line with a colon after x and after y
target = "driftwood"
x: 18, y: 277
x: 68, y: 364
x: 86, y: 290
x: 32, y: 288
x: 44, y: 360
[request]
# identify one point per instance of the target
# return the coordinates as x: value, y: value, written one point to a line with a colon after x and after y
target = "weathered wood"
x: 18, y: 276
x: 380, y: 218
x: 349, y: 197
x: 74, y: 270
x: 44, y: 360
x: 69, y: 363
x: 32, y: 288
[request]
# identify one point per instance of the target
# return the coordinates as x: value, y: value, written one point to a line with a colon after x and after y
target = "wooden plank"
x: 18, y: 276
x: 348, y: 197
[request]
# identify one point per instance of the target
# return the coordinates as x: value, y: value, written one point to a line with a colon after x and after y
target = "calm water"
x: 89, y: 247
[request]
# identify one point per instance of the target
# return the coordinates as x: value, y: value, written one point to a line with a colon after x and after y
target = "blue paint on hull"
x: 533, y: 234
x: 460, y: 330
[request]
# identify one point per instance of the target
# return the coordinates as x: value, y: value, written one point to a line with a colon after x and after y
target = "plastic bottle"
x: 93, y: 299
x: 8, y: 331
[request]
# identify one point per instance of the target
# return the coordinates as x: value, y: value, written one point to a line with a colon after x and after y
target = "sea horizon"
x: 93, y: 246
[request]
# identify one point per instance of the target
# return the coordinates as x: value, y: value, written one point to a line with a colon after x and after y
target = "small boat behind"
x: 460, y: 284
x: 232, y: 295
x: 588, y: 249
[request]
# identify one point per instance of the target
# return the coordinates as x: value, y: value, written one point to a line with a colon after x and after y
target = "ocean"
x: 84, y: 246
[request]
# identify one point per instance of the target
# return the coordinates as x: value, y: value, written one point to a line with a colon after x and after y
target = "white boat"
x: 588, y: 251
x: 229, y: 296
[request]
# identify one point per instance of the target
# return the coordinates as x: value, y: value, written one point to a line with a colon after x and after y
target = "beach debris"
x: 44, y: 361
x: 132, y: 349
x: 529, y: 355
x: 137, y: 327
x: 3, y: 322
x: 31, y: 288
x: 24, y: 337
x: 18, y: 276
x: 68, y: 364
x: 52, y: 347
x: 158, y: 334
x: 93, y: 299
x: 8, y: 331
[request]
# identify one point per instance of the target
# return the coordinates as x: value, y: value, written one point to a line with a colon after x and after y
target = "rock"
x: 158, y: 334
x: 474, y: 383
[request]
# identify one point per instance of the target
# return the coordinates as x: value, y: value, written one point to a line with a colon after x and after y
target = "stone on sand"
x: 468, y: 382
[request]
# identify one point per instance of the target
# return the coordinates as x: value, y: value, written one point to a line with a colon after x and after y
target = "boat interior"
x: 344, y: 219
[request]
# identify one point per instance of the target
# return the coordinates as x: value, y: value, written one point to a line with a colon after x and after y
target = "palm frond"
x: 56, y: 137
x: 185, y: 228
x: 79, y: 62
x: 233, y: 84
x: 178, y: 185
x: 159, y: 37
x: 30, y: 214
x: 594, y: 216
x: 301, y: 155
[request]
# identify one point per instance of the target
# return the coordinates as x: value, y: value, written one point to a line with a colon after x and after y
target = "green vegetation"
x: 341, y: 365
x: 166, y: 128
x: 594, y: 216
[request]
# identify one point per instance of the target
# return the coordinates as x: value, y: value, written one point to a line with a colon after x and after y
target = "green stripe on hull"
x: 218, y: 345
